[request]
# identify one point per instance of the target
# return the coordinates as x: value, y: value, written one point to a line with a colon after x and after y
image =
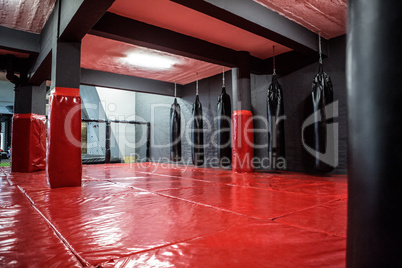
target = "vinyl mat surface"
x: 150, y: 215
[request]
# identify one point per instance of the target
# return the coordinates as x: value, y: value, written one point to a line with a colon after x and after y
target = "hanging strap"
x: 320, y: 67
x: 223, y: 76
x: 175, y: 88
x: 273, y: 60
x: 319, y: 47
x: 196, y: 86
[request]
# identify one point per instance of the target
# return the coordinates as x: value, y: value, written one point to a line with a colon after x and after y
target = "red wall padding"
x: 243, y: 141
x: 28, y: 145
x: 64, y: 167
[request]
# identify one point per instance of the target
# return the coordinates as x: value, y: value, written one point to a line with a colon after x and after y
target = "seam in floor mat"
x: 81, y: 260
x: 242, y: 186
x: 290, y: 213
x: 310, y: 229
x: 206, y: 205
x: 181, y: 241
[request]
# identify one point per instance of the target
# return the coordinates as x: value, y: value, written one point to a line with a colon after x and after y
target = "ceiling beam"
x: 3, y: 62
x: 42, y: 66
x: 289, y: 62
x: 70, y: 21
x: 126, y: 82
x: 19, y: 41
x: 79, y: 16
x: 19, y: 64
x: 127, y: 30
x: 255, y: 18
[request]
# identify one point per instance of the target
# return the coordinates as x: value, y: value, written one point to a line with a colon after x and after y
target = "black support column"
x: 242, y: 121
x: 28, y: 144
x: 64, y: 165
x: 241, y: 83
x: 374, y: 68
x: 30, y: 99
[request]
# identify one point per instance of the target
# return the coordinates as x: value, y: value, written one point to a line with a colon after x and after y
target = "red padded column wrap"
x: 64, y: 167
x: 28, y: 144
x: 243, y: 141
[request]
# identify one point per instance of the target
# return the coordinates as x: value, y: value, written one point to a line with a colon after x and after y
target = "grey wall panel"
x: 296, y: 90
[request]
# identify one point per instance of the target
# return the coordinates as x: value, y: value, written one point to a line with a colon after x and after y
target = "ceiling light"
x: 149, y: 61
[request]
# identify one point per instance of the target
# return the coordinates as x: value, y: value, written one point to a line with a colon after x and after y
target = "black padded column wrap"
x: 374, y: 69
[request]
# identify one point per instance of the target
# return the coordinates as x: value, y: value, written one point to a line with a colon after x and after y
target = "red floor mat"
x: 328, y: 218
x: 258, y: 203
x: 127, y: 215
x: 26, y: 240
x: 256, y: 245
x: 111, y: 227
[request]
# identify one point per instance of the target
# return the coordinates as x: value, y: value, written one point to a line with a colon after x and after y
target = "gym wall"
x: 296, y: 90
x: 296, y: 93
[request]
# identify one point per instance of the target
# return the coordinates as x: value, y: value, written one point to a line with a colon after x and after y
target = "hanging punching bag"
x: 322, y: 94
x: 197, y: 134
x: 224, y: 120
x: 175, y: 131
x: 276, y: 124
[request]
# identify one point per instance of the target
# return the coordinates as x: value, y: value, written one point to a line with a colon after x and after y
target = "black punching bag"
x: 197, y: 134
x: 322, y: 94
x: 175, y: 131
x: 224, y: 121
x: 276, y: 122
